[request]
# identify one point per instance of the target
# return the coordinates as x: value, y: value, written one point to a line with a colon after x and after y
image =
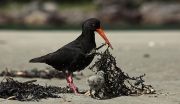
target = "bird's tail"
x: 37, y: 60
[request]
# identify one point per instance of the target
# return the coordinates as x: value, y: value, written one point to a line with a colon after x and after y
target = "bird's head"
x: 94, y: 25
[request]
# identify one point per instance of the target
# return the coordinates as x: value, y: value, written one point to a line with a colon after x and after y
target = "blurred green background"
x: 70, y: 14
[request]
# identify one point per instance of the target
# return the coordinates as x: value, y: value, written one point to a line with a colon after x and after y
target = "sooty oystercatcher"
x: 75, y: 56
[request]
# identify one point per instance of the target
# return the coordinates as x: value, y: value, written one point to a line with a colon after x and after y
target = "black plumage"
x: 73, y: 56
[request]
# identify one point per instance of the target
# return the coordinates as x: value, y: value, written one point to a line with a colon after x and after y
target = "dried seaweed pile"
x: 118, y: 83
x: 27, y: 91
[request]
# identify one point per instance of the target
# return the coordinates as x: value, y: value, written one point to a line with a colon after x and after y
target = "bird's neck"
x: 87, y: 39
x: 87, y: 36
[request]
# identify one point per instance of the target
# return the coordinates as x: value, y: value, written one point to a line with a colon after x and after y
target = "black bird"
x: 75, y: 56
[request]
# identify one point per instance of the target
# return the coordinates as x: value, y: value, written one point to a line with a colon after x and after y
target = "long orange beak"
x: 100, y: 31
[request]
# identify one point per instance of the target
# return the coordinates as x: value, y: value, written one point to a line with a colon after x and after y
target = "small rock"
x: 146, y: 55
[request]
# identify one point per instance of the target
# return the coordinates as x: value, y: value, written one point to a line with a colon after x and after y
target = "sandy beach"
x: 131, y: 48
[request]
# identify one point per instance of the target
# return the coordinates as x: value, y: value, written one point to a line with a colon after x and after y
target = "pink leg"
x: 71, y: 83
x: 66, y: 76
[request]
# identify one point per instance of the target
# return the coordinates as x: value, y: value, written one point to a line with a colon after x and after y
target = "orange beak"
x: 100, y: 31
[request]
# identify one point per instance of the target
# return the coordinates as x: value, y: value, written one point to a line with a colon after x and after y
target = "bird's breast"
x: 81, y: 62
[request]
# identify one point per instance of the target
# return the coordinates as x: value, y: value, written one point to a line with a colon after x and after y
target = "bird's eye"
x: 93, y: 24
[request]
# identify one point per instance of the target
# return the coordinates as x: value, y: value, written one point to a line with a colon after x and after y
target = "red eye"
x: 93, y: 24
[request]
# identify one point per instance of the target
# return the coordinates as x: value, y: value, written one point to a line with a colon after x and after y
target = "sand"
x: 130, y: 49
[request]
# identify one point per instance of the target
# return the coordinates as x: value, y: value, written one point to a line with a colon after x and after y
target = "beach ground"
x: 155, y: 53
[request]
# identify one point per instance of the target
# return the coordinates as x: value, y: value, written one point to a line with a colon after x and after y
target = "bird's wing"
x: 65, y: 55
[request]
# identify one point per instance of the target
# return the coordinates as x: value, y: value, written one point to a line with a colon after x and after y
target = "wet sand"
x: 156, y: 53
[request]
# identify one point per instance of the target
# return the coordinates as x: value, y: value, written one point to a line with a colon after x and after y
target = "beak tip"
x: 109, y: 44
x: 111, y: 47
x: 104, y: 37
